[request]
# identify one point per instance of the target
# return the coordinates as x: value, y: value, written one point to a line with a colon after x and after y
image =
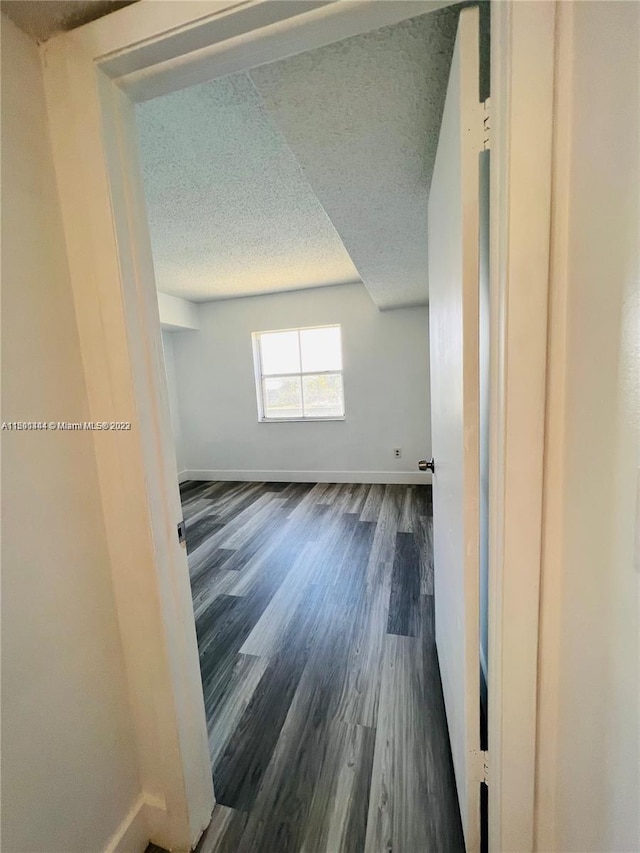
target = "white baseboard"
x: 399, y: 477
x: 132, y: 836
x: 183, y: 475
x: 145, y: 820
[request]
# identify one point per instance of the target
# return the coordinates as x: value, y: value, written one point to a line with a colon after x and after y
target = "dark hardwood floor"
x: 314, y: 615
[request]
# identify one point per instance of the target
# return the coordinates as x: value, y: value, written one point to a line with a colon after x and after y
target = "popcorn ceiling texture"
x: 42, y: 19
x: 230, y: 212
x: 362, y: 117
x: 257, y: 182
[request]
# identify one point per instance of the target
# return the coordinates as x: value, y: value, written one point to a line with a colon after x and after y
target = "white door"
x: 454, y: 335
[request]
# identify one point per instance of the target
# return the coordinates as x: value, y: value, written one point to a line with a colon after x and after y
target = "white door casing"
x: 523, y: 56
x: 588, y: 762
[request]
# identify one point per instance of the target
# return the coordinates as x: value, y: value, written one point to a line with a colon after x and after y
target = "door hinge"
x: 480, y: 765
x: 182, y: 531
x: 486, y: 124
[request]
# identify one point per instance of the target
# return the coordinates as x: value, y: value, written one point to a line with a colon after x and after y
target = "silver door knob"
x: 423, y: 465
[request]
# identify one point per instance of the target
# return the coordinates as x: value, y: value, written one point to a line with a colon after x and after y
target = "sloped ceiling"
x: 43, y: 19
x: 310, y: 171
x: 230, y: 212
x: 362, y: 117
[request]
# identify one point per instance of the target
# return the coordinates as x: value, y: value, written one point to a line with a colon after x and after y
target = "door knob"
x: 423, y: 465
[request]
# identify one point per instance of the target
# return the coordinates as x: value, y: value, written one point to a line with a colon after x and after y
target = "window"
x: 299, y: 374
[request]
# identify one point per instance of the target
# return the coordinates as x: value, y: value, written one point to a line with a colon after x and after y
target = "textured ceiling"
x: 230, y: 212
x: 42, y: 19
x: 362, y: 117
x: 257, y: 182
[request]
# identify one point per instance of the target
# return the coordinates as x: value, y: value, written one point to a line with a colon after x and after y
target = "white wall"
x: 386, y: 380
x: 177, y: 313
x: 589, y: 767
x: 168, y: 339
x: 69, y: 774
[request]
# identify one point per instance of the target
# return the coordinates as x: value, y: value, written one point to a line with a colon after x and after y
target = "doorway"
x: 310, y: 597
x: 110, y: 318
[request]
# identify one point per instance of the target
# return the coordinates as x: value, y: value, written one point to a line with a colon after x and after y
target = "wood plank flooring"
x: 314, y: 616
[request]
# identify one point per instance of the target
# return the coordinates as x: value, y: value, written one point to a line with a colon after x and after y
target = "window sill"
x: 299, y: 420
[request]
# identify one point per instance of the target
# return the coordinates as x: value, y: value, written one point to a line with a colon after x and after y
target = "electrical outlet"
x: 397, y: 452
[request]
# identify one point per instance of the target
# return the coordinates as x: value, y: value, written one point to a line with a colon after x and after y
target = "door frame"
x: 523, y: 60
x: 93, y: 75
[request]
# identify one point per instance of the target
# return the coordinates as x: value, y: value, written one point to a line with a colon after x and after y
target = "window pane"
x: 321, y: 349
x: 323, y: 396
x: 282, y: 397
x: 280, y: 352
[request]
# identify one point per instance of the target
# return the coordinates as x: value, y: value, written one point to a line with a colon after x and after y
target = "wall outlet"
x: 397, y: 452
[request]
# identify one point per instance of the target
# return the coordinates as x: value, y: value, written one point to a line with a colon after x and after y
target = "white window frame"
x: 260, y: 376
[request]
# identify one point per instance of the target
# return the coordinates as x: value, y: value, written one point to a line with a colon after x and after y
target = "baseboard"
x: 183, y: 475
x: 132, y: 836
x: 145, y: 820
x: 398, y: 477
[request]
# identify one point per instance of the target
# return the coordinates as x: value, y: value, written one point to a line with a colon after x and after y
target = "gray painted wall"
x: 386, y: 379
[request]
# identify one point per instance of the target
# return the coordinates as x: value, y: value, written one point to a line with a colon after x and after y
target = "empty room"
x: 287, y: 208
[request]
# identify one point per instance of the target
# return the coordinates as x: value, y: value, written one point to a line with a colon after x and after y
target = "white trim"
x: 522, y: 92
x: 132, y: 836
x: 247, y: 34
x: 133, y: 833
x: 554, y: 521
x: 300, y: 420
x: 391, y: 477
x: 182, y: 476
